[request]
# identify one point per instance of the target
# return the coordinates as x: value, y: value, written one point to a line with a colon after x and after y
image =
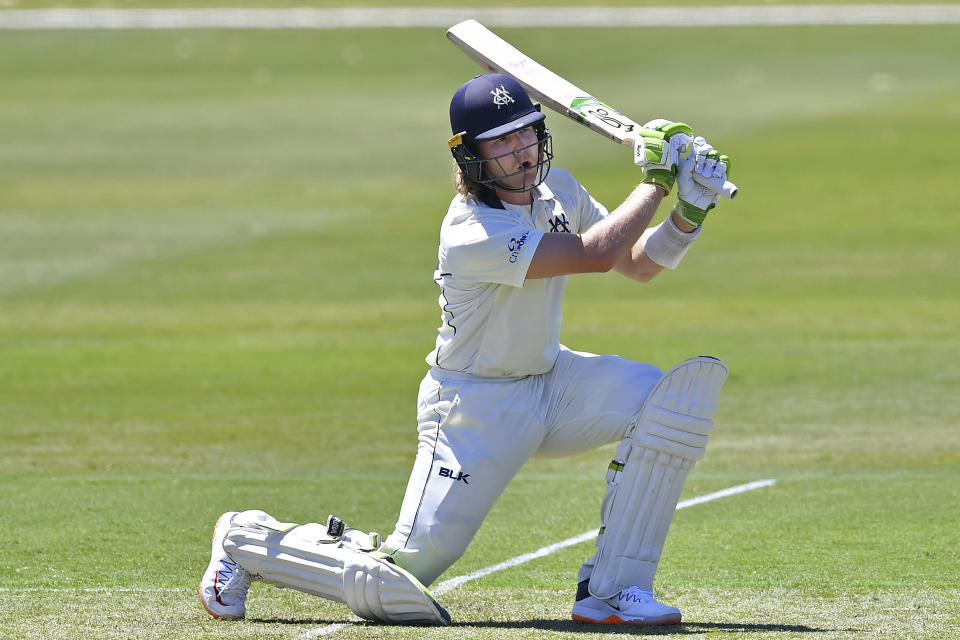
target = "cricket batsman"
x: 501, y: 388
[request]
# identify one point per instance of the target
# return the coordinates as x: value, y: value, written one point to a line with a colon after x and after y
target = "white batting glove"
x: 657, y: 149
x: 700, y: 176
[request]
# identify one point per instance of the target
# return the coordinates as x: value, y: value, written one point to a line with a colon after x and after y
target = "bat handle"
x: 724, y: 187
x: 729, y: 190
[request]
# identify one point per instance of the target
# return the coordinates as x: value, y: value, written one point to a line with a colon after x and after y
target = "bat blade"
x: 496, y: 54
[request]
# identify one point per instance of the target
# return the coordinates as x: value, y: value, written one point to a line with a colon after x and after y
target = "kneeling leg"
x: 332, y: 562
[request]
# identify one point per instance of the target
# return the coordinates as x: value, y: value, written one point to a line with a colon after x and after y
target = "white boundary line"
x: 443, y: 17
x: 452, y: 583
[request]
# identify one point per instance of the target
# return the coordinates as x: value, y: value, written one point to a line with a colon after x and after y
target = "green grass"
x: 216, y: 252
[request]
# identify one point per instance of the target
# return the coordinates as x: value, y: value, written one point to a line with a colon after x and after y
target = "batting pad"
x: 306, y: 558
x: 646, y: 478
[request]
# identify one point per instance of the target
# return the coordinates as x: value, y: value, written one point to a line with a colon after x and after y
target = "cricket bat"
x: 495, y: 54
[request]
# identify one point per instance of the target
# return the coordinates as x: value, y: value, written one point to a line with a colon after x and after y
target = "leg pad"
x: 308, y: 559
x: 647, y: 476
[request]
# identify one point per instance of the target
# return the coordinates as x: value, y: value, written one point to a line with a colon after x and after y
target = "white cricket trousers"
x: 476, y: 433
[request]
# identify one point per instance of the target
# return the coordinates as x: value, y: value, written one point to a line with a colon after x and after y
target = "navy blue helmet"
x: 489, y: 107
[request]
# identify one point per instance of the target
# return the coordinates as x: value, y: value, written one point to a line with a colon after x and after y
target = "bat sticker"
x: 583, y: 107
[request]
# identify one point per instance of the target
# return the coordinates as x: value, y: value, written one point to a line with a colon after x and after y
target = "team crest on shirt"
x: 501, y: 97
x: 560, y: 224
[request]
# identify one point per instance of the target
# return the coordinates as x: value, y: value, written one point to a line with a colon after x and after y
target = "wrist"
x: 665, y: 244
x: 691, y: 214
x: 682, y: 223
x: 661, y: 178
x: 656, y: 189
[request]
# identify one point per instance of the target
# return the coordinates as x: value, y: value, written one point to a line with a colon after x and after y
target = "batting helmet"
x: 489, y: 107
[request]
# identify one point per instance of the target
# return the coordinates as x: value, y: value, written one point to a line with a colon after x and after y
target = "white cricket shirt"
x: 495, y: 324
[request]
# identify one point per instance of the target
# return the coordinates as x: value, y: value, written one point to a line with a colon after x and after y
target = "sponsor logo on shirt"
x: 515, y: 245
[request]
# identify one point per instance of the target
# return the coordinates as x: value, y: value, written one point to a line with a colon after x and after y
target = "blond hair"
x: 465, y: 185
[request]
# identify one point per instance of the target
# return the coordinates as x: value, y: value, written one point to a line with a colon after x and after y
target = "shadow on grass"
x: 684, y: 628
x: 571, y: 626
x: 302, y: 621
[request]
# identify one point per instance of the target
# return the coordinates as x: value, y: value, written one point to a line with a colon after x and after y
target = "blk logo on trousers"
x: 454, y: 475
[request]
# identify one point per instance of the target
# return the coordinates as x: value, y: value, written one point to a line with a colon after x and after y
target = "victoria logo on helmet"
x: 501, y: 96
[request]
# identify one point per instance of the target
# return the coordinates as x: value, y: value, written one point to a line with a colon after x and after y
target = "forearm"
x: 613, y: 239
x: 637, y: 265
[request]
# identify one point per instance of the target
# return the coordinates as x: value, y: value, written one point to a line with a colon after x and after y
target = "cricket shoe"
x: 224, y: 586
x: 632, y: 606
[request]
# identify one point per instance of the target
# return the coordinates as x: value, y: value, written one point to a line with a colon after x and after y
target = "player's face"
x: 512, y: 159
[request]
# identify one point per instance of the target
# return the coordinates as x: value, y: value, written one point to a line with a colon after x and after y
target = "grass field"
x: 216, y: 258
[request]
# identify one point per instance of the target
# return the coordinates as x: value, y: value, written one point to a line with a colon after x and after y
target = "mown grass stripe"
x: 453, y: 583
x: 444, y: 587
x: 449, y: 585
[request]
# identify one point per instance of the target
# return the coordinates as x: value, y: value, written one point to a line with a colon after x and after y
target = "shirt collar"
x: 544, y: 192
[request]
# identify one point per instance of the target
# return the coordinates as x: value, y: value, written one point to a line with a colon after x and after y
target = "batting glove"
x: 701, y: 172
x: 657, y: 148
